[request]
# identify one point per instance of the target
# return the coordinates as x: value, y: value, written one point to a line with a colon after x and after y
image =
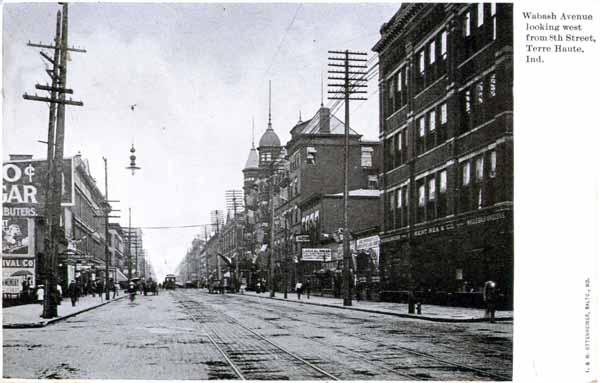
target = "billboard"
x: 24, y: 185
x: 320, y: 255
x: 15, y: 270
x: 15, y: 236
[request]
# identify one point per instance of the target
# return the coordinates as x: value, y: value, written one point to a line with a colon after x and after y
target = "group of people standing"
x: 77, y: 290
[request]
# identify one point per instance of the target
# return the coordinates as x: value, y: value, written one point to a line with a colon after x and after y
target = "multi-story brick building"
x: 314, y: 172
x: 446, y: 110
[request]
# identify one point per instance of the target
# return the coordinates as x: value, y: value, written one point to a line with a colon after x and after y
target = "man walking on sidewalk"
x: 73, y: 292
x: 299, y: 290
x: 489, y: 299
x: 307, y: 288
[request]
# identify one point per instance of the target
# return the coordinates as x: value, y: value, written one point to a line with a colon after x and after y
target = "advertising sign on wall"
x: 15, y: 236
x: 24, y: 185
x: 15, y: 270
x: 321, y: 255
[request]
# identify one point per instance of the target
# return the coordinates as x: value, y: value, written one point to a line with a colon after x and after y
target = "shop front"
x: 448, y: 262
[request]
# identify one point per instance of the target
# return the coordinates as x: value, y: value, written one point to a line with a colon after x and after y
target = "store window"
x: 366, y: 158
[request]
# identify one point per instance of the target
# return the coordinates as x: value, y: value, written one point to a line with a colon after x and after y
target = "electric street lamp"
x: 133, y: 167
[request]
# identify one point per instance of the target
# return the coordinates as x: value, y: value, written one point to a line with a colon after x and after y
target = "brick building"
x: 314, y: 172
x: 446, y: 109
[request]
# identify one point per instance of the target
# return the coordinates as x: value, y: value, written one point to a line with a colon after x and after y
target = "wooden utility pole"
x: 345, y: 91
x: 55, y: 152
x: 129, y: 251
x: 106, y: 216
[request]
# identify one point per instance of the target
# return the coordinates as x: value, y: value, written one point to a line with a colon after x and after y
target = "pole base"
x: 347, y: 302
x: 272, y: 295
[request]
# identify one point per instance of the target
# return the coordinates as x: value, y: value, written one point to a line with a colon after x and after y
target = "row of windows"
x: 479, y: 27
x: 432, y: 61
x: 431, y: 132
x: 476, y: 190
x: 477, y: 103
x: 432, y: 128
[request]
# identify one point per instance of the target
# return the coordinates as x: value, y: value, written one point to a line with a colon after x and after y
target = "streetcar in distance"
x: 170, y: 282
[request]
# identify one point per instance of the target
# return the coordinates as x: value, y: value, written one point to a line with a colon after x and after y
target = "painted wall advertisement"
x: 18, y: 261
x: 24, y: 183
x: 23, y: 197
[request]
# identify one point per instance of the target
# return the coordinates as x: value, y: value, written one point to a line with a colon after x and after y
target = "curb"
x: 45, y: 323
x: 401, y: 315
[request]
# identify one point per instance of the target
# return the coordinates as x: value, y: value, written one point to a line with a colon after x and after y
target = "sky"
x: 198, y: 75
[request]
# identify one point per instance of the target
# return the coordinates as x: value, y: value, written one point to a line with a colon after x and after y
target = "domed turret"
x: 269, y: 138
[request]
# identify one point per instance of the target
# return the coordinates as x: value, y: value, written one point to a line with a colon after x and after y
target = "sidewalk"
x: 428, y: 312
x: 29, y: 316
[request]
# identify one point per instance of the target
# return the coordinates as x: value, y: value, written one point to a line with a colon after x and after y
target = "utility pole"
x: 272, y: 236
x: 56, y: 135
x: 129, y: 251
x: 206, y: 253
x: 106, y: 216
x: 345, y: 91
x: 231, y: 199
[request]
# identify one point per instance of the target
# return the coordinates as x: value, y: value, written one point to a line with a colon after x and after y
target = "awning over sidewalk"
x: 120, y: 276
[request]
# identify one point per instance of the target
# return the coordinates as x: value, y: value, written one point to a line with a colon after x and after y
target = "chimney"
x: 18, y: 157
x: 324, y: 120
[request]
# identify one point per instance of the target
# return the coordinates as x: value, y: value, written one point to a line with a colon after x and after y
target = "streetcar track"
x: 417, y: 353
x: 230, y: 360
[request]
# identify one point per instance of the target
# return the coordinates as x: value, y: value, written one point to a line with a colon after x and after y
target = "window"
x: 479, y: 92
x: 443, y: 181
x: 493, y: 164
x: 444, y: 45
x: 432, y: 189
x: 467, y: 24
x: 366, y: 158
x: 442, y: 202
x: 479, y: 168
x: 311, y: 155
x: 466, y: 172
x: 373, y: 182
x: 479, y: 14
x: 421, y: 202
x: 492, y: 88
x: 468, y: 101
x: 399, y: 152
x: 399, y: 84
x: 388, y: 156
x: 432, y: 52
x: 421, y: 138
x: 422, y: 62
x: 399, y: 198
x: 443, y: 114
x: 493, y: 15
x: 432, y: 121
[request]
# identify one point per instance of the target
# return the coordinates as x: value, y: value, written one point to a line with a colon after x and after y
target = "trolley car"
x: 170, y: 282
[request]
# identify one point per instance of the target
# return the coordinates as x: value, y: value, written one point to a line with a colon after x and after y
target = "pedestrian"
x: 258, y: 287
x: 112, y: 287
x: 307, y: 288
x: 40, y: 294
x: 100, y: 289
x: 59, y: 293
x: 299, y: 289
x: 489, y: 299
x: 25, y: 291
x: 73, y: 290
